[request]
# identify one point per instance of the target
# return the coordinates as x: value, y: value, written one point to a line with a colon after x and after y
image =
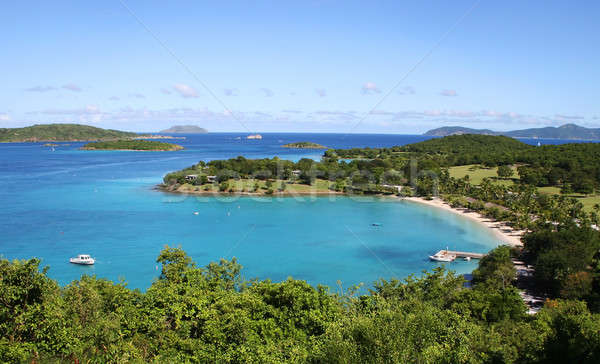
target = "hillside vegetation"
x: 60, y: 132
x: 210, y: 314
x: 571, y: 167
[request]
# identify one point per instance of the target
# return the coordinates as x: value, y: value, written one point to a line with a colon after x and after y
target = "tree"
x: 175, y: 262
x: 583, y: 185
x: 505, y: 171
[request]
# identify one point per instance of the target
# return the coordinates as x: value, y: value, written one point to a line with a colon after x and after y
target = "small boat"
x: 442, y: 256
x: 376, y: 224
x: 468, y: 259
x: 83, y: 259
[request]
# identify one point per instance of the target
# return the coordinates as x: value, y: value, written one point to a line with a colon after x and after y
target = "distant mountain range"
x: 185, y: 129
x: 567, y: 131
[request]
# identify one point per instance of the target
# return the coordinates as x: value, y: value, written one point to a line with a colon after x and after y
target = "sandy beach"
x: 504, y: 232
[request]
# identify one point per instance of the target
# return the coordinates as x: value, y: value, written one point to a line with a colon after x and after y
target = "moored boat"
x: 442, y: 256
x: 83, y: 259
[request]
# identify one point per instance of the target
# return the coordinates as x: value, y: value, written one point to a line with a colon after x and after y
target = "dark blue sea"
x: 62, y: 202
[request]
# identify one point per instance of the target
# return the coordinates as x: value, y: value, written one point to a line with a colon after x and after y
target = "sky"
x: 399, y: 67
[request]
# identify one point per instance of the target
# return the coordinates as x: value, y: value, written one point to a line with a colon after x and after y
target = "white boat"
x: 83, y: 259
x: 442, y: 256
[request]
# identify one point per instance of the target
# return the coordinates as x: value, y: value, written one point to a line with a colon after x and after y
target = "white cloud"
x: 370, y: 88
x: 114, y: 98
x: 40, y: 89
x: 267, y: 92
x: 321, y: 92
x: 450, y: 93
x: 72, y: 87
x: 137, y: 95
x: 165, y: 91
x: 570, y: 117
x: 185, y: 91
x: 87, y: 110
x: 4, y: 117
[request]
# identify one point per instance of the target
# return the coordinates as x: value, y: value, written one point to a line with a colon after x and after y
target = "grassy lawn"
x: 549, y: 190
x: 246, y: 185
x: 479, y: 173
x: 588, y: 201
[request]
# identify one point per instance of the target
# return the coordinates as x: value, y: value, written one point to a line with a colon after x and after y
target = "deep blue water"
x: 56, y: 204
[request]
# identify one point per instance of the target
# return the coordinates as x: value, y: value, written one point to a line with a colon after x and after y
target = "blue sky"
x: 322, y: 66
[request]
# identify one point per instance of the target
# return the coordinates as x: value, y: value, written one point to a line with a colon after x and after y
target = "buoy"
x: 196, y: 212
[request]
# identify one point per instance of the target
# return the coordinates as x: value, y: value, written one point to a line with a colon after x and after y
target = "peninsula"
x: 185, y: 129
x: 133, y: 145
x: 61, y: 133
x: 304, y: 145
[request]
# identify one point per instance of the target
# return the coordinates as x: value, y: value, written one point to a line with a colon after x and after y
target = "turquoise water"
x: 59, y: 204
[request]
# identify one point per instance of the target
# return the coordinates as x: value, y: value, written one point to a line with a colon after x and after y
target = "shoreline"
x: 507, y: 234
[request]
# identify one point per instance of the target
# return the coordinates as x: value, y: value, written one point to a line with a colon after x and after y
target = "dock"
x: 458, y: 254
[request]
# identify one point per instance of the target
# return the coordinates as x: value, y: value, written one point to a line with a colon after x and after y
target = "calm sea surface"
x: 56, y: 204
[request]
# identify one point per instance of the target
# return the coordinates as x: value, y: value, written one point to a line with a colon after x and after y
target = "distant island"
x: 185, y: 129
x: 61, y: 133
x: 134, y: 145
x: 304, y: 145
x: 567, y: 131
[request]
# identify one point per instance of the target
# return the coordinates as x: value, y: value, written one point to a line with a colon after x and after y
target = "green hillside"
x: 60, y: 132
x: 468, y: 143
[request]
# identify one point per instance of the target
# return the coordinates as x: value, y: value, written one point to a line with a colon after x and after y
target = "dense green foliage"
x: 304, y: 145
x: 472, y: 149
x: 149, y: 145
x: 60, y: 132
x: 211, y: 314
x: 566, y: 262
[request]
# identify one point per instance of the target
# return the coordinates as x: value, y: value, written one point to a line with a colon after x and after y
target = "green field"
x: 247, y: 185
x: 477, y: 173
x: 588, y: 200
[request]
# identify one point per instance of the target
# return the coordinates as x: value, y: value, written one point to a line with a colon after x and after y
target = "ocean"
x: 63, y: 202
